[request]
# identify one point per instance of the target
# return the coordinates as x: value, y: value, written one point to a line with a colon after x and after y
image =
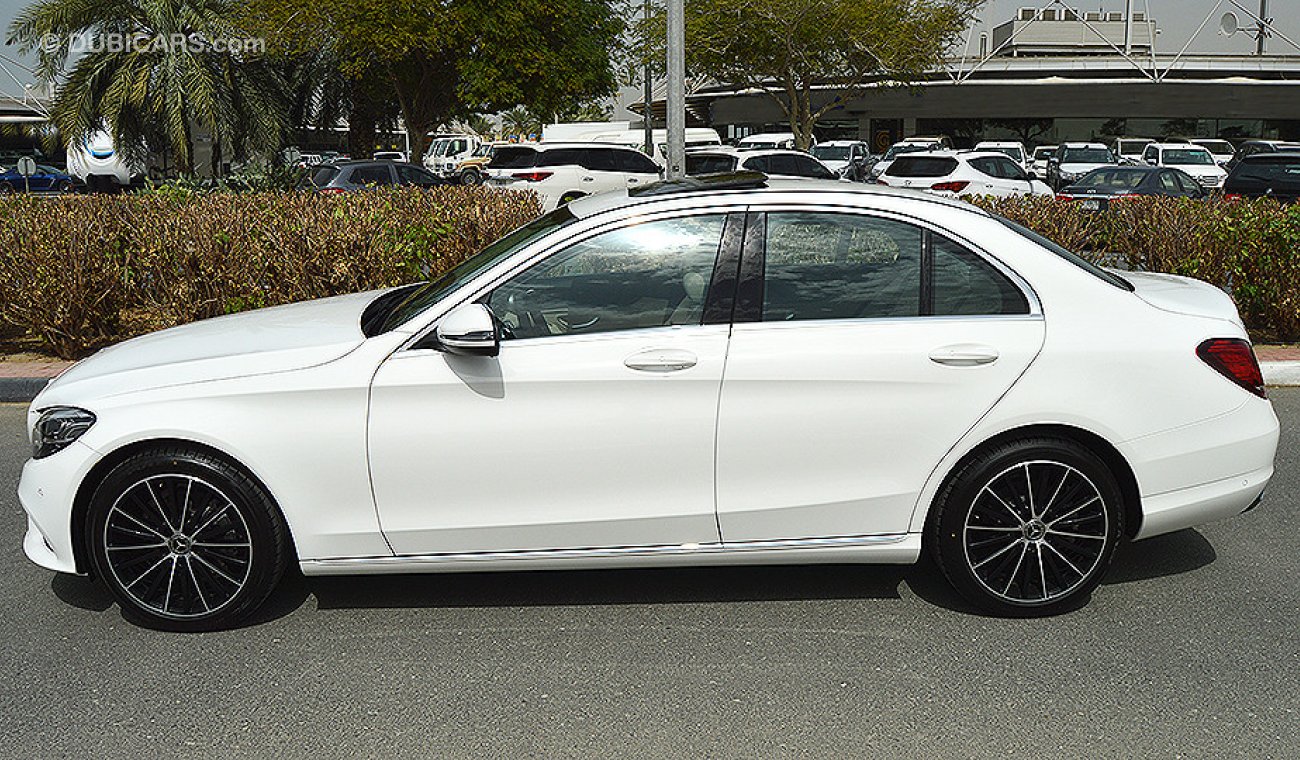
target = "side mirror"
x: 1033, y: 175
x: 470, y: 330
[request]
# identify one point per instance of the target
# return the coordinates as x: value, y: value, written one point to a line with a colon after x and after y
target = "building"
x: 1048, y: 75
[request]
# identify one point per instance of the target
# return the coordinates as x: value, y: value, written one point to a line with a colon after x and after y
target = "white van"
x: 97, y: 163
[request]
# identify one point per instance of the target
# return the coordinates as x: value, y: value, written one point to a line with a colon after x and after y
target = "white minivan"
x: 562, y: 172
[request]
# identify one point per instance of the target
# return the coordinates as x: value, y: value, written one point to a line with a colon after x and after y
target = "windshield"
x: 1042, y: 154
x: 1112, y: 179
x: 1218, y: 147
x: 902, y: 148
x: 1269, y: 169
x: 1086, y: 156
x: 1133, y: 147
x: 831, y: 152
x: 1069, y: 256
x: 430, y: 293
x: 1014, y: 153
x: 1188, y: 157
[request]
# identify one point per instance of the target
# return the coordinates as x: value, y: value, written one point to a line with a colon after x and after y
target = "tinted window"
x: 831, y: 152
x: 370, y: 175
x: 1086, y: 156
x: 966, y: 284
x: 1168, y: 184
x: 922, y: 166
x: 1269, y: 169
x: 508, y: 157
x: 1008, y: 169
x: 567, y: 157
x: 986, y: 166
x: 598, y: 159
x: 413, y: 175
x: 840, y: 266
x: 801, y: 166
x: 709, y: 164
x: 1112, y: 179
x: 1188, y: 157
x: 647, y: 275
x: 760, y: 164
x: 324, y: 175
x: 1188, y: 185
x: 636, y: 162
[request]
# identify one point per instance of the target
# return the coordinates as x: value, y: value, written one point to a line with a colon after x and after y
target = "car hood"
x: 257, y: 342
x: 1182, y: 295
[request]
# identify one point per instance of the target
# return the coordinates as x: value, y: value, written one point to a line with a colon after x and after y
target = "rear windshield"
x: 831, y: 152
x: 1086, y: 156
x: 709, y: 164
x: 1069, y: 256
x: 922, y: 166
x: 324, y: 175
x: 1114, y: 179
x: 513, y: 158
x: 901, y: 148
x: 1271, y: 169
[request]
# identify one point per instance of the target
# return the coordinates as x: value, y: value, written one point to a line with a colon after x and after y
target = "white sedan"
x: 709, y: 371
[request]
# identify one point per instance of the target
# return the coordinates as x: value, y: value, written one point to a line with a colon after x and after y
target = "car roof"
x: 741, y: 152
x: 1082, y: 145
x: 1178, y: 146
x: 1259, y: 157
x: 838, y: 143
x: 543, y: 147
x: 807, y: 189
x: 1001, y: 143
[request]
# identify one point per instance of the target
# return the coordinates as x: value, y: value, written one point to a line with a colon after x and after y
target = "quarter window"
x: 653, y: 274
x: 965, y: 284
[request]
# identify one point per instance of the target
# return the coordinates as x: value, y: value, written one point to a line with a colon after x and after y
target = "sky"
x: 1176, y: 19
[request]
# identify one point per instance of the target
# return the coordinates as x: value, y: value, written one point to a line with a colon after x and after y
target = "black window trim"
x: 749, y: 296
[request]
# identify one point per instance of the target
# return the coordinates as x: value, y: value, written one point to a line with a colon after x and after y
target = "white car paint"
x: 982, y: 172
x: 907, y: 145
x: 1074, y: 159
x: 831, y: 438
x: 1012, y: 149
x: 1038, y: 164
x: 1195, y: 160
x: 98, y: 157
x: 554, y: 182
x: 769, y: 141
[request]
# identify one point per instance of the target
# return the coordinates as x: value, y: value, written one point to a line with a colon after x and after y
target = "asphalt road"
x: 1190, y: 649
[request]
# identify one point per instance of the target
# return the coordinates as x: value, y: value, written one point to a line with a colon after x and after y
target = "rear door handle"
x: 661, y: 360
x: 964, y: 355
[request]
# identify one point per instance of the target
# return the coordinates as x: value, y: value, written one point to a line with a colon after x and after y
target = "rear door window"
x: 376, y: 174
x: 709, y: 164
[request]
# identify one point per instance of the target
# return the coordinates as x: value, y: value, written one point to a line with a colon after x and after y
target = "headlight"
x: 57, y: 428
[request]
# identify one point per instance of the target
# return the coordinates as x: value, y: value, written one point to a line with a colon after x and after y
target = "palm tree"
x: 137, y: 79
x: 521, y: 121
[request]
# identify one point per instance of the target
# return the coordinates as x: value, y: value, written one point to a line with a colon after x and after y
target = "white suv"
x: 957, y: 174
x: 786, y: 164
x: 1014, y: 150
x: 562, y: 172
x: 1193, y: 159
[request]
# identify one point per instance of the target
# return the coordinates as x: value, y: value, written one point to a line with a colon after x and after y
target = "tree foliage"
x: 786, y: 48
x: 152, y: 93
x: 450, y: 59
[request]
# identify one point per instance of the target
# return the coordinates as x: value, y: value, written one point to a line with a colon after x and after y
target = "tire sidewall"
x: 956, y: 500
x: 249, y: 499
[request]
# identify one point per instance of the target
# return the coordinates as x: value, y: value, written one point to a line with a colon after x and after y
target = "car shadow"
x: 1172, y: 554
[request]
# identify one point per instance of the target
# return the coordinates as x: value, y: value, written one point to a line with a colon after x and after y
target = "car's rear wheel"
x: 1028, y: 527
x: 471, y: 177
x: 184, y: 540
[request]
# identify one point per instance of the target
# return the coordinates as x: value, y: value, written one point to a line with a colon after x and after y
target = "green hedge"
x: 79, y: 272
x: 1251, y: 249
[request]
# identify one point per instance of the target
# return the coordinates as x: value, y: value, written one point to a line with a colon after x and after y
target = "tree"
x: 447, y: 60
x: 787, y: 48
x: 153, y: 71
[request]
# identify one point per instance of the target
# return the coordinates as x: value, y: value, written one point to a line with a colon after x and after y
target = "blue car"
x: 47, y: 179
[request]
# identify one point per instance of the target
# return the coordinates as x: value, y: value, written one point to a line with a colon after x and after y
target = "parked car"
x: 1097, y: 189
x: 348, y: 176
x: 890, y: 373
x: 563, y: 172
x: 47, y: 179
x: 956, y: 174
x: 768, y: 141
x: 1265, y: 175
x: 1222, y: 150
x: 790, y: 164
x: 1075, y: 159
x: 472, y: 170
x: 850, y: 159
x: 388, y: 155
x: 1013, y: 150
x: 1042, y: 156
x: 1128, y: 150
x: 909, y: 145
x: 97, y: 164
x: 1193, y: 159
x: 1251, y: 147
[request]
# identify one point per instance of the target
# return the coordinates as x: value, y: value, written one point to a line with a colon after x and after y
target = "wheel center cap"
x: 179, y: 544
x: 1035, y: 530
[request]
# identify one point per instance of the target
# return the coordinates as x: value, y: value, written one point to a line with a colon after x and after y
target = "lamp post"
x: 676, y: 89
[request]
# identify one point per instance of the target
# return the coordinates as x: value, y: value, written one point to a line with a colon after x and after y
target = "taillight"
x: 881, y: 181
x: 1234, y: 359
x: 331, y: 191
x: 950, y: 187
x: 1061, y: 197
x: 531, y: 176
x: 1232, y: 196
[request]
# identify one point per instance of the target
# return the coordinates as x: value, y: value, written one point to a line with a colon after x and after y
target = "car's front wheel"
x: 1028, y: 527
x: 184, y: 540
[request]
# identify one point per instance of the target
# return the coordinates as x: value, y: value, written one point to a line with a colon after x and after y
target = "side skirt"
x: 895, y: 548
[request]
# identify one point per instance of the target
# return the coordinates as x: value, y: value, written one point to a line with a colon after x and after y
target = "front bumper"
x: 46, y: 492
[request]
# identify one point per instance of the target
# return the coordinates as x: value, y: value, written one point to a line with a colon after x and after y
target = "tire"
x: 185, y: 541
x: 471, y: 177
x: 1010, y: 553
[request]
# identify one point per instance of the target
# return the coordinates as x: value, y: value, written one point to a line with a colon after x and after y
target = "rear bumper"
x: 1187, y: 507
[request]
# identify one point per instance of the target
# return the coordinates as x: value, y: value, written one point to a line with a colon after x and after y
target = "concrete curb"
x: 21, y: 389
x: 24, y: 389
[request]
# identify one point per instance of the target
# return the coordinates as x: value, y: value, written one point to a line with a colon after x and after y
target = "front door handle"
x: 964, y: 355
x: 661, y: 360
